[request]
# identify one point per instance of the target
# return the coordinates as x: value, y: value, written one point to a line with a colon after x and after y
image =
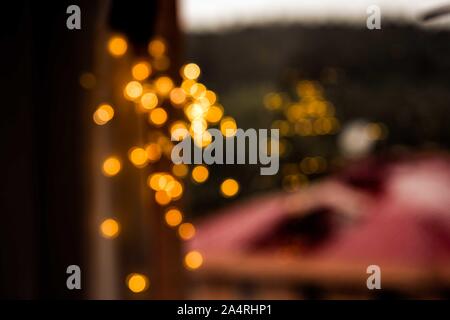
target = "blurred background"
x: 364, y: 173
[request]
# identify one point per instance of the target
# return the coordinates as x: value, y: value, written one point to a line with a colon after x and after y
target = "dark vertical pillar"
x: 41, y: 198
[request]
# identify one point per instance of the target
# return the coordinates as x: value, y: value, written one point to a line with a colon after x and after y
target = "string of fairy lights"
x: 153, y: 92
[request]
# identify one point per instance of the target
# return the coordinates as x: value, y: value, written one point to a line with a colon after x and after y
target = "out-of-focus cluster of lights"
x: 293, y: 179
x: 157, y: 96
x: 295, y: 175
x: 199, y: 105
x: 167, y: 188
x: 103, y: 114
x: 309, y: 115
x: 313, y: 165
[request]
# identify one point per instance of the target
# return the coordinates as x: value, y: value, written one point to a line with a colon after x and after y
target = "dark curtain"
x: 41, y: 231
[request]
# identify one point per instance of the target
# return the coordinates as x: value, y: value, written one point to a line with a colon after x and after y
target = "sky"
x: 213, y: 15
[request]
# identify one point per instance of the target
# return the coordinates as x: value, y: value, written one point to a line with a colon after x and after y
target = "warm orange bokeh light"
x: 194, y: 111
x: 153, y: 181
x: 186, y: 85
x: 203, y: 139
x: 103, y: 114
x: 109, y: 228
x: 200, y: 174
x: 178, y: 130
x: 177, y: 96
x: 180, y: 170
x: 214, y: 114
x: 193, y: 260
x: 162, y: 198
x: 174, y: 189
x: 190, y: 71
x: 137, y: 282
x: 163, y: 85
x: 211, y: 96
x: 138, y: 157
x: 173, y: 217
x: 117, y: 46
x: 158, y: 116
x: 153, y: 152
x: 229, y: 188
x: 141, y: 71
x: 197, y: 90
x: 186, y: 231
x: 228, y: 126
x: 133, y: 90
x: 111, y: 166
x: 157, y: 48
x: 149, y: 100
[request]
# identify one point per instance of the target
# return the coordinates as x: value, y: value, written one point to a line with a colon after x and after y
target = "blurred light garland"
x: 152, y: 91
